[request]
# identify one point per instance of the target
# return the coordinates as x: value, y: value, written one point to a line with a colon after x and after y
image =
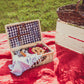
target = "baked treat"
x: 38, y: 50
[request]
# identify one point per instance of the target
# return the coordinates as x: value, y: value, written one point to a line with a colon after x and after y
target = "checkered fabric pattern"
x: 29, y: 34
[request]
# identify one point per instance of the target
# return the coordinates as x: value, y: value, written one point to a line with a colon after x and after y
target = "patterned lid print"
x: 23, y: 33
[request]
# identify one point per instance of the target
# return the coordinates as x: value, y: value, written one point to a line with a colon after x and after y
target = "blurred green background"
x: 12, y: 11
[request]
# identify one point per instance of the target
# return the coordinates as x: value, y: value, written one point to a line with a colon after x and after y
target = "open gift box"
x: 25, y: 35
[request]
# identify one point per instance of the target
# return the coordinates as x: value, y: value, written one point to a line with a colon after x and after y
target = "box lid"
x: 23, y: 33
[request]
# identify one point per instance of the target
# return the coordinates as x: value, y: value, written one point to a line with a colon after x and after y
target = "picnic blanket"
x: 66, y: 67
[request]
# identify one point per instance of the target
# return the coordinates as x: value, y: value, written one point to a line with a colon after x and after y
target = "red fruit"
x: 46, y: 49
x: 39, y: 45
x: 30, y: 51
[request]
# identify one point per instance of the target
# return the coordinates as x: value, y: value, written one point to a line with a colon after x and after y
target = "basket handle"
x: 77, y: 5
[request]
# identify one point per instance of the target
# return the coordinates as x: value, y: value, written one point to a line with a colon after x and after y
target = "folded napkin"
x: 21, y: 64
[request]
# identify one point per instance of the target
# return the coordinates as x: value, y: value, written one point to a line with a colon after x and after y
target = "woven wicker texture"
x: 73, y: 14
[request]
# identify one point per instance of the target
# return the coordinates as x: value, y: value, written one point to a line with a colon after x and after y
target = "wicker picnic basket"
x: 73, y: 14
x: 24, y: 35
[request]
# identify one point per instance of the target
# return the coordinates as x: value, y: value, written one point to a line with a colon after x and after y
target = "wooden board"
x: 70, y: 30
x: 70, y: 37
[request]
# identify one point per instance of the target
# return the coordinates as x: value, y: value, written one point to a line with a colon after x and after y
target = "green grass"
x: 12, y: 11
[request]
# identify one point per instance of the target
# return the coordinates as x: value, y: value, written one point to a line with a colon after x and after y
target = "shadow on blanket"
x: 71, y: 66
x: 38, y: 75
